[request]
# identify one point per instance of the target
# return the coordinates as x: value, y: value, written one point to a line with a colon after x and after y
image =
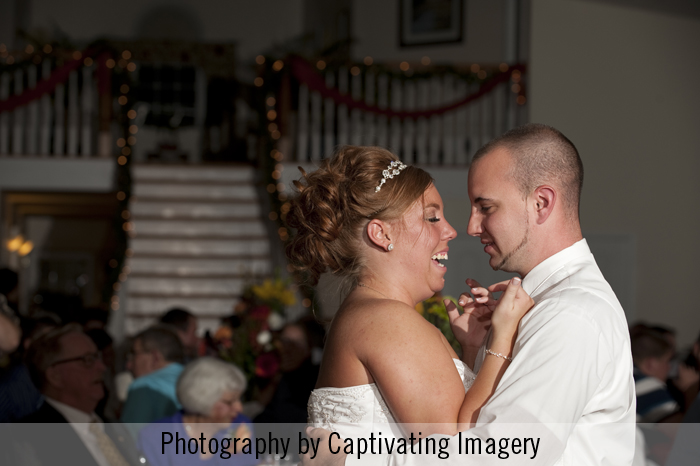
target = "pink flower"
x: 266, y: 365
x: 260, y: 313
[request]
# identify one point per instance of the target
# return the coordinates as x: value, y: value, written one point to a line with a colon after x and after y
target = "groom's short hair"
x: 542, y: 155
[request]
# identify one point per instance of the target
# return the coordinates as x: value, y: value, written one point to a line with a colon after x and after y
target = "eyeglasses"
x: 88, y: 360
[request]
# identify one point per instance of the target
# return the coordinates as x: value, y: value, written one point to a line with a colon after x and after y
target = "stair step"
x: 171, y: 210
x: 254, y: 266
x: 189, y: 173
x: 194, y: 287
x: 164, y: 228
x: 158, y: 305
x: 136, y: 323
x: 183, y: 247
x: 196, y: 192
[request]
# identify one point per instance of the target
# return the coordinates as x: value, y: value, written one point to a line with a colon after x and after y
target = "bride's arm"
x: 511, y: 307
x: 412, y: 367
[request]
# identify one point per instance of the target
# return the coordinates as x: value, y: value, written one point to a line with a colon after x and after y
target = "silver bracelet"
x: 499, y: 355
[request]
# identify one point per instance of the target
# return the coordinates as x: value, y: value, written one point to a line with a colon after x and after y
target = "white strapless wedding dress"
x: 356, y: 412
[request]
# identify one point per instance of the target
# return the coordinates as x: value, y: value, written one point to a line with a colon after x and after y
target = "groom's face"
x: 499, y: 214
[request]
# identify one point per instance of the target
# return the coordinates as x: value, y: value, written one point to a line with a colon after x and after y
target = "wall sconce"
x: 20, y: 246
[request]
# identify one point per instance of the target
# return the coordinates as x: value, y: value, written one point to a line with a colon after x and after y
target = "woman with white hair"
x: 210, y: 393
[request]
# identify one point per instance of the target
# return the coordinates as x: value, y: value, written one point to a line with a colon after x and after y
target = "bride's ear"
x: 378, y: 233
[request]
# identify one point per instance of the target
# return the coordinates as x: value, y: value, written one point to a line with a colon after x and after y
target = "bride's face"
x: 422, y: 243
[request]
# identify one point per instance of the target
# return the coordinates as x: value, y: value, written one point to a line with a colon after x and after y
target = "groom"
x: 570, y: 382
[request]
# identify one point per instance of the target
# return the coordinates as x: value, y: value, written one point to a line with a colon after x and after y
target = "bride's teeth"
x: 439, y: 256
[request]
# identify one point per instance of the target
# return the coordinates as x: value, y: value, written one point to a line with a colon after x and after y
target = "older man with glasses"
x: 67, y: 368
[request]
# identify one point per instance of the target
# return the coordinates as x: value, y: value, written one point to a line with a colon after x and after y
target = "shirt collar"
x: 72, y: 415
x: 542, y: 271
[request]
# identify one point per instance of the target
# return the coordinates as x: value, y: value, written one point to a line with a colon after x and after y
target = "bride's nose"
x: 449, y: 233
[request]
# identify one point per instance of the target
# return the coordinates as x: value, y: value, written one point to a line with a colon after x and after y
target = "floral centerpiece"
x: 433, y: 310
x: 245, y: 338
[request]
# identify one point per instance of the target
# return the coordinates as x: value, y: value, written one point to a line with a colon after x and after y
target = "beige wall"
x: 622, y: 84
x: 253, y: 25
x: 375, y: 32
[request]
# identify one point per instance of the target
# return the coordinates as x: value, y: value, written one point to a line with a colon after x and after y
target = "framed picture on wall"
x: 424, y: 22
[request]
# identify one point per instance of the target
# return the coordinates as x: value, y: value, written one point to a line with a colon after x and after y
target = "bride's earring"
x: 390, y: 247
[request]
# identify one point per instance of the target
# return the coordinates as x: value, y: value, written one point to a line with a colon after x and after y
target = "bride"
x: 379, y: 223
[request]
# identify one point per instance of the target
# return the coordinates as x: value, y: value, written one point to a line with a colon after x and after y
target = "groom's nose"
x: 474, y: 225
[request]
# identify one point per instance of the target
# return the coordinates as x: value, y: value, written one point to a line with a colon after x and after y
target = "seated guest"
x: 67, y: 368
x: 156, y: 362
x: 651, y: 354
x: 18, y: 395
x: 209, y: 391
x: 185, y: 324
x: 289, y: 392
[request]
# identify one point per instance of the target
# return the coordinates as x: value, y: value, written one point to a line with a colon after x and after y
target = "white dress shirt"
x: 80, y: 422
x: 570, y: 382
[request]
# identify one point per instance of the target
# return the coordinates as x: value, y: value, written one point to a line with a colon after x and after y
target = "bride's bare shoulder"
x: 370, y: 316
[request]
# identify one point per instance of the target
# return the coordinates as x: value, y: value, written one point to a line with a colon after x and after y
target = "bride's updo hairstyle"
x: 335, y: 203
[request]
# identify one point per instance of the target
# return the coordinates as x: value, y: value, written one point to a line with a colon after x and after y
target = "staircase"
x: 199, y: 238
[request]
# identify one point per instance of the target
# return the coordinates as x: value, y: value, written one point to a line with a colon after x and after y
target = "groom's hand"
x: 324, y: 456
x: 471, y: 327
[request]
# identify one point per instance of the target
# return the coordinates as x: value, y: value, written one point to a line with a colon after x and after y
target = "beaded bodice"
x: 357, y: 411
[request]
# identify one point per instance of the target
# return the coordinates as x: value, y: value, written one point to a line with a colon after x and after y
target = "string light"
x: 121, y: 195
x: 131, y: 140
x: 515, y: 88
x: 129, y: 252
x: 126, y: 151
x: 258, y: 81
x: 126, y: 54
x: 88, y: 61
x: 321, y: 65
x: 122, y: 100
x: 121, y: 160
x: 121, y: 142
x: 272, y: 127
x: 278, y: 65
x: 15, y: 243
x: 270, y: 101
x: 260, y: 59
x: 276, y: 175
x: 404, y: 66
x: 521, y: 100
x: 126, y: 214
x: 475, y: 68
x: 425, y: 61
x: 306, y: 302
x: 124, y: 88
x: 113, y: 263
x: 271, y: 114
x: 482, y: 74
x: 133, y: 129
x: 131, y: 114
x: 355, y: 70
x: 275, y: 135
x: 271, y: 188
x: 29, y: 49
x: 131, y: 67
x: 77, y: 55
x: 368, y: 61
x: 110, y: 63
x: 272, y: 216
x: 503, y: 67
x: 281, y: 187
x: 48, y: 48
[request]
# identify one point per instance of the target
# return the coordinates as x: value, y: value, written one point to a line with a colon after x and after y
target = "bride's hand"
x: 470, y: 328
x: 510, y: 308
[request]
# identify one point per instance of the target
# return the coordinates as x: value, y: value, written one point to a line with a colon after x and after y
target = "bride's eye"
x: 433, y: 219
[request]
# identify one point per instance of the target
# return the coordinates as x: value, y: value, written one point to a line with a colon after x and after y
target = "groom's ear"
x: 544, y: 198
x: 378, y: 233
